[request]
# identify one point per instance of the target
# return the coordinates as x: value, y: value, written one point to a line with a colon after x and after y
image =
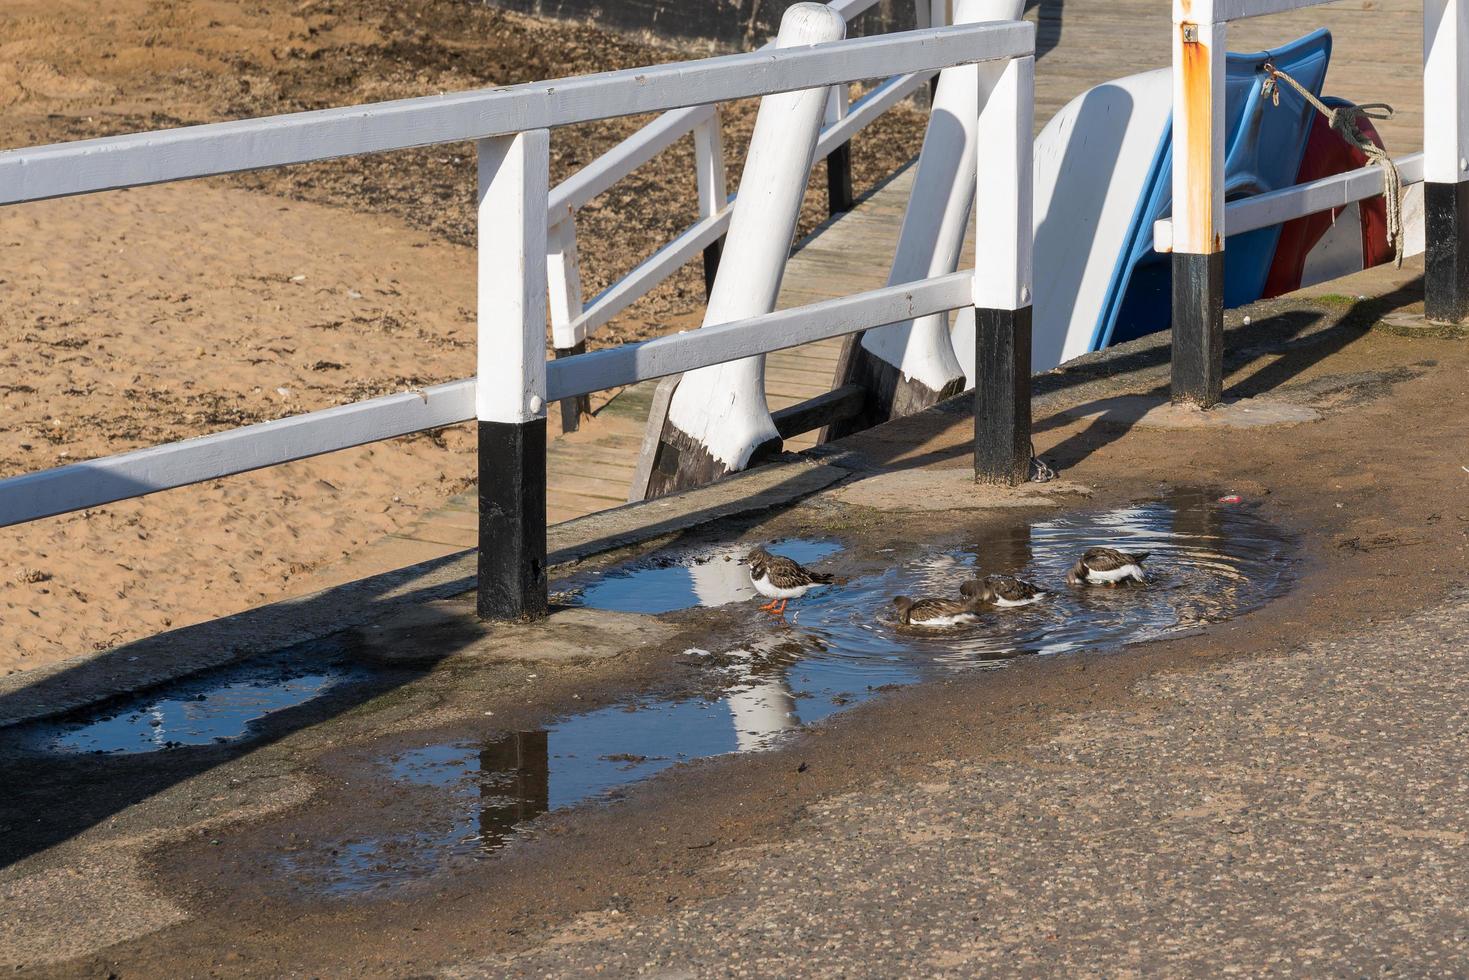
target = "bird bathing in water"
x: 1107, y: 566
x: 780, y: 579
x: 937, y: 613
x: 1002, y: 590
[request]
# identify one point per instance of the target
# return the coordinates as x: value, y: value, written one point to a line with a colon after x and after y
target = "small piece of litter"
x: 298, y: 279
x: 1248, y: 321
x: 1231, y: 498
x: 353, y: 294
x: 489, y: 714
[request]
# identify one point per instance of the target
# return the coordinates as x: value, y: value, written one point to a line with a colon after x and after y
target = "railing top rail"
x: 1224, y: 11
x: 111, y: 162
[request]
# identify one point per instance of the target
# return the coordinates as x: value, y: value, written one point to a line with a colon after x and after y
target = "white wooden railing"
x: 572, y: 319
x: 1202, y: 219
x: 514, y: 381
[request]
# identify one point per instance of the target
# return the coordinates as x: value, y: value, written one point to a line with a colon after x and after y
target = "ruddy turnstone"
x: 780, y: 579
x: 1107, y: 566
x: 936, y: 613
x: 1002, y: 590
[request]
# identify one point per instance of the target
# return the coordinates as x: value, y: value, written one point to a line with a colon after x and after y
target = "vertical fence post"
x: 1446, y: 159
x: 510, y: 394
x: 563, y: 273
x: 839, y: 197
x: 713, y: 188
x: 1198, y: 204
x: 1002, y: 276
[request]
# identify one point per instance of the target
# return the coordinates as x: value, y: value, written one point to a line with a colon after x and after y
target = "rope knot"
x: 1343, y: 122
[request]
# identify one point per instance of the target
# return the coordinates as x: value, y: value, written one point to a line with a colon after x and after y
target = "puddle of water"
x: 207, y: 710
x: 1208, y: 562
x: 714, y: 578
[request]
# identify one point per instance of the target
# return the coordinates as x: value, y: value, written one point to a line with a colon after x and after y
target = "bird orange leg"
x: 782, y: 610
x: 769, y: 606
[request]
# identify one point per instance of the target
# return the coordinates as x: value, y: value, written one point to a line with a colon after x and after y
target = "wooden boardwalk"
x: 1081, y: 43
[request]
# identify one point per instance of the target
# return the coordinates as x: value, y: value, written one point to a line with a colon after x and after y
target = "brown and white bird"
x: 937, y: 613
x: 780, y: 579
x: 1002, y: 590
x: 1107, y: 566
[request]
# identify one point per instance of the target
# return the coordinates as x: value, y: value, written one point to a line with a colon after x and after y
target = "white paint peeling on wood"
x: 514, y: 173
x: 939, y: 209
x: 723, y: 408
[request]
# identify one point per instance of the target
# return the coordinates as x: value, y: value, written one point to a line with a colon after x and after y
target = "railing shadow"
x: 1048, y: 25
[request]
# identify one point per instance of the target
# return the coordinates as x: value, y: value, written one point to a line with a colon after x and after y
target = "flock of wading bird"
x: 781, y: 579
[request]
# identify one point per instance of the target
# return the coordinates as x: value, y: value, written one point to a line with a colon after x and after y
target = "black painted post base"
x: 1446, y: 260
x: 1002, y: 396
x: 681, y: 462
x: 889, y: 393
x: 512, y: 521
x: 712, y: 254
x: 1198, y: 329
x: 572, y: 409
x: 839, y: 197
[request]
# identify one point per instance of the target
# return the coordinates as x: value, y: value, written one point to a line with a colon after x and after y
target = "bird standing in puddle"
x: 1107, y: 566
x: 1002, y: 590
x: 937, y: 613
x: 780, y: 579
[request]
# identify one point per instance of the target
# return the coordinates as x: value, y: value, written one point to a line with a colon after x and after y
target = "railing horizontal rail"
x: 692, y: 240
x: 628, y: 155
x: 649, y: 273
x: 137, y: 159
x: 662, y: 356
x: 1222, y: 11
x: 1274, y: 207
x: 112, y: 478
x: 95, y: 482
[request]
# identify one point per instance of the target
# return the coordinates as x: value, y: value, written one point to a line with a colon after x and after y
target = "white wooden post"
x: 718, y: 421
x: 563, y: 276
x: 839, y: 197
x: 1446, y: 159
x: 713, y: 188
x: 908, y: 367
x: 1198, y: 203
x: 1002, y: 276
x: 510, y: 391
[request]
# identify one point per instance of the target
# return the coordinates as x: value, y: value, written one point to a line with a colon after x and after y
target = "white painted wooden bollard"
x: 510, y: 391
x: 908, y: 367
x: 718, y: 421
x: 1446, y: 159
